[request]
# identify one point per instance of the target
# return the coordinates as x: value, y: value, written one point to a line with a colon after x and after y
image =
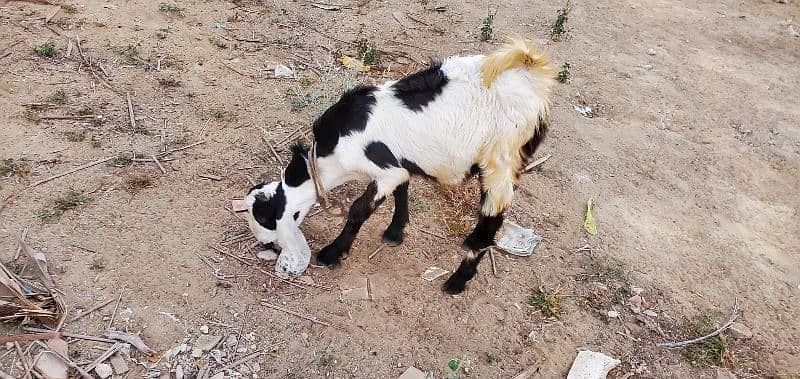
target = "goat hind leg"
x: 393, y: 236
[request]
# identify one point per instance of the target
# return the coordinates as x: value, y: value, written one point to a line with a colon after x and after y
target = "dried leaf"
x: 354, y: 64
x: 590, y: 224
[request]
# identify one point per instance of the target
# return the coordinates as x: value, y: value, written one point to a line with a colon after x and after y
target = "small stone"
x: 204, y: 329
x: 244, y: 370
x: 126, y: 314
x: 651, y: 52
x: 207, y: 342
x: 118, y: 364
x: 103, y: 370
x: 241, y: 350
x: 178, y: 372
x: 9, y: 345
x: 231, y: 341
x: 646, y: 67
x: 613, y: 314
x: 218, y: 356
x: 740, y: 331
x: 256, y: 366
x: 638, y: 304
x: 650, y: 312
x: 197, y: 352
x: 250, y: 336
x: 282, y: 71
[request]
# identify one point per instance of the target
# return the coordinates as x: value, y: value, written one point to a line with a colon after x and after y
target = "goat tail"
x: 516, y: 53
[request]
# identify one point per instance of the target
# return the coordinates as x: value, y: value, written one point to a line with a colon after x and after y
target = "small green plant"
x: 173, y: 9
x: 15, y: 267
x: 563, y: 75
x: 97, y: 121
x: 326, y: 359
x: 31, y: 116
x: 131, y: 54
x: 712, y: 351
x: 559, y: 28
x: 490, y: 357
x: 58, y: 97
x: 548, y: 302
x: 97, y: 265
x: 122, y: 160
x: 9, y: 167
x: 47, y: 50
x: 417, y: 204
x: 367, y: 51
x: 168, y: 82
x: 487, y: 28
x: 219, y: 114
x: 457, y: 367
x: 72, y: 199
x: 75, y: 135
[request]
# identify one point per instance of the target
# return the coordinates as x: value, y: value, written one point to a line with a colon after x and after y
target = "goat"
x: 468, y: 115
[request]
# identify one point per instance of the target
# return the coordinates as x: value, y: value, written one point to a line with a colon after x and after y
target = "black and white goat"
x: 483, y: 114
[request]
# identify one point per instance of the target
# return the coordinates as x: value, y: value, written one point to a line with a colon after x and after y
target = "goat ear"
x: 295, y: 253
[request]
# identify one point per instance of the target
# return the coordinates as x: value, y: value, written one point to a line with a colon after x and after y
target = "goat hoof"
x: 454, y: 285
x: 474, y: 244
x: 328, y: 257
x: 392, y: 238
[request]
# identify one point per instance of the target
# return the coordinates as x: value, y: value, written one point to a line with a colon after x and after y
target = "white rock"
x: 197, y: 352
x: 126, y: 314
x: 9, y: 345
x: 103, y: 370
x: 241, y: 350
x: 650, y: 312
x: 178, y: 372
x: 740, y: 331
x: 231, y: 340
x: 282, y: 71
x: 591, y: 365
x: 651, y: 52
x: 613, y: 314
x: 204, y: 329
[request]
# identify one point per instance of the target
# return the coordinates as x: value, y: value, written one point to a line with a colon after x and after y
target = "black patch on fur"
x: 529, y: 148
x: 393, y: 236
x: 296, y: 215
x: 267, y: 212
x: 360, y: 211
x: 466, y: 270
x: 296, y: 173
x: 379, y: 153
x: 413, y: 168
x: 257, y: 186
x: 474, y: 169
x: 420, y: 88
x: 348, y: 115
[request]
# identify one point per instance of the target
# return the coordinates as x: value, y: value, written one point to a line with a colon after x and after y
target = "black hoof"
x: 475, y: 244
x: 392, y: 238
x: 454, y: 285
x: 328, y: 256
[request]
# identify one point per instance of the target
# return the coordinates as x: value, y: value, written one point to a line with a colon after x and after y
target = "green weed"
x: 72, y: 199
x: 559, y: 28
x: 548, y: 302
x: 47, y: 50
x: 563, y: 75
x: 367, y: 51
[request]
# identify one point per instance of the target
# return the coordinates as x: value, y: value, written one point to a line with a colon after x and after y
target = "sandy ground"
x: 691, y: 158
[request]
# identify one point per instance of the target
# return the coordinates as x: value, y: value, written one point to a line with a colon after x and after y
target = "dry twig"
x: 293, y: 313
x: 90, y: 310
x: 676, y: 345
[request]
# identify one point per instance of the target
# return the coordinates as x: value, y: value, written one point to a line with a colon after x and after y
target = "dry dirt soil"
x: 691, y: 156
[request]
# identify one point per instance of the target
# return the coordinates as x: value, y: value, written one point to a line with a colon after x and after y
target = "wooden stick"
x: 108, y: 353
x: 90, y: 310
x: 130, y: 112
x: 22, y: 239
x: 494, y: 265
x: 95, y: 163
x: 75, y: 117
x: 248, y: 357
x: 160, y: 167
x: 293, y: 313
x: 24, y: 359
x: 431, y: 233
x: 29, y: 337
x: 272, y: 149
x: 378, y: 250
x: 69, y: 335
x: 180, y: 148
x: 537, y: 162
x: 734, y: 314
x: 114, y: 312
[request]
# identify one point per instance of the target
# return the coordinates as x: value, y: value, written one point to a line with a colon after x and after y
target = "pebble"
x: 241, y: 350
x: 126, y: 314
x: 232, y: 340
x: 651, y: 52
x: 613, y: 314
x: 178, y: 372
x: 204, y: 329
x: 740, y: 331
x: 207, y: 342
x: 9, y: 345
x: 650, y: 313
x: 197, y: 353
x: 267, y: 255
x: 103, y: 370
x: 282, y: 71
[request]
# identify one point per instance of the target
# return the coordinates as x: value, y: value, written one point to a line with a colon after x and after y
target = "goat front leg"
x: 360, y: 211
x: 393, y: 236
x: 497, y: 190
